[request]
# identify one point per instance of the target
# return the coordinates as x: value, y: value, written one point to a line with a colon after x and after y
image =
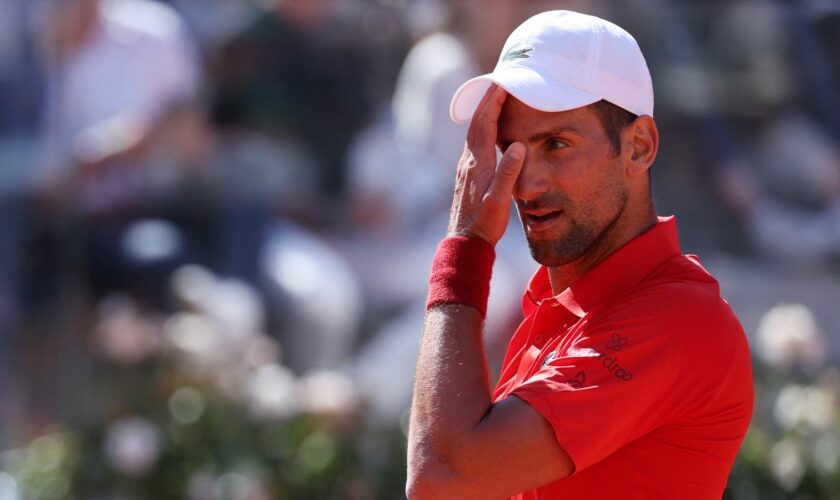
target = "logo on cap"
x: 517, y: 52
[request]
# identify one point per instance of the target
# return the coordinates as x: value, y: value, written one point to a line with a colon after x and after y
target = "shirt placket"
x: 550, y: 321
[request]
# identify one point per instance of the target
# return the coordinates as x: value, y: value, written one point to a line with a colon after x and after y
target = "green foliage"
x: 204, y: 418
x: 208, y: 446
x: 792, y: 450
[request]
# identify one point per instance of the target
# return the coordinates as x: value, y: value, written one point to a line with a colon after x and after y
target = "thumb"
x: 506, y: 173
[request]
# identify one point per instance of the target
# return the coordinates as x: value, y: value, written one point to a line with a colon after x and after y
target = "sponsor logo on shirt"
x: 611, y: 364
x: 578, y: 381
x: 616, y: 342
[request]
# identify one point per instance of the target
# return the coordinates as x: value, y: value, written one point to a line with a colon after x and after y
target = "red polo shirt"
x: 642, y: 370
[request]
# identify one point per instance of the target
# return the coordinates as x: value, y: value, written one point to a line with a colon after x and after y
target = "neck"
x: 611, y: 239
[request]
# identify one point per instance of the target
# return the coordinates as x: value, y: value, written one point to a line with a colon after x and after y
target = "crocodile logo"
x: 517, y: 53
x: 548, y: 358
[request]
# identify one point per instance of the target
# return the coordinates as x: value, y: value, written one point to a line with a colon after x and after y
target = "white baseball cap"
x: 560, y: 60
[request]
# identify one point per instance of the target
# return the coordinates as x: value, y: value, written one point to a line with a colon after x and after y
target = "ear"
x: 640, y: 143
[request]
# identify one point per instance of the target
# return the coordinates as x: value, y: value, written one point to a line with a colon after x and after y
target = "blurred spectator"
x: 19, y: 73
x: 123, y: 78
x: 21, y: 84
x: 295, y: 73
x: 214, y: 21
x: 401, y: 168
x: 117, y: 71
x: 251, y: 184
x: 315, y: 298
x: 401, y: 177
x: 748, y: 89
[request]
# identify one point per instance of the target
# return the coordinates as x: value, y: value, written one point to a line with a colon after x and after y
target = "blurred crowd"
x: 261, y: 184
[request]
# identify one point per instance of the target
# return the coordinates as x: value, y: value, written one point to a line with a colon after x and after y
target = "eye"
x: 554, y: 144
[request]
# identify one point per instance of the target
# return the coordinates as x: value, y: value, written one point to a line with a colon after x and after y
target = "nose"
x: 532, y: 181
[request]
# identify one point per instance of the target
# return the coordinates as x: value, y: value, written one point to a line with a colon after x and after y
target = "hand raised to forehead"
x: 483, y: 189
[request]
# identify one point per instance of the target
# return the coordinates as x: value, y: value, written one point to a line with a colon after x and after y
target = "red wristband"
x: 461, y: 273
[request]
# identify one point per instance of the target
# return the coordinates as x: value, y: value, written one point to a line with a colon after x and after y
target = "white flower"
x: 50, y: 451
x: 132, y: 446
x: 786, y: 463
x: 186, y: 405
x: 191, y: 284
x: 204, y: 485
x: 233, y: 304
x: 238, y: 486
x: 221, y: 337
x: 261, y: 350
x: 788, y: 334
x: 328, y: 393
x: 8, y: 487
x: 827, y: 454
x: 272, y: 392
x: 197, y: 338
x: 238, y: 309
x: 124, y: 332
x: 809, y: 406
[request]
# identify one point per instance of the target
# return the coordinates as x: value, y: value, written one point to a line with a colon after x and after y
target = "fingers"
x: 480, y: 206
x: 489, y: 94
x: 507, y: 172
x: 486, y: 117
x: 488, y: 114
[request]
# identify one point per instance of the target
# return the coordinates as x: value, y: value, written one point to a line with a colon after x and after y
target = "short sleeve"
x: 611, y: 386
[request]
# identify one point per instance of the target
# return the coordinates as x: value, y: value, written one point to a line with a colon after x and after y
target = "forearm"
x: 451, y: 389
x: 447, y: 455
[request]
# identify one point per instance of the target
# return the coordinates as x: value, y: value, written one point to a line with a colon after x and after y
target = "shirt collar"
x: 622, y: 269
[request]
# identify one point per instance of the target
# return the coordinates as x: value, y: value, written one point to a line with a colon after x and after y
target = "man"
x: 629, y: 376
x: 122, y: 76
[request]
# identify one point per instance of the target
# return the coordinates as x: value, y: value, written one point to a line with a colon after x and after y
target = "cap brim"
x: 530, y: 87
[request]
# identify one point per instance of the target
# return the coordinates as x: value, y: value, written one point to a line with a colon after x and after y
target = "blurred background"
x: 218, y: 217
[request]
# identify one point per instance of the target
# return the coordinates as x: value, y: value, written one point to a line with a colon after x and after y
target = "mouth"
x: 536, y: 222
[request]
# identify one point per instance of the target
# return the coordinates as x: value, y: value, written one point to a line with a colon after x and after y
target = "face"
x: 572, y: 190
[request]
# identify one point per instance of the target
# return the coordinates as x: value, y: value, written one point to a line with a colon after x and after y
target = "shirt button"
x: 538, y: 339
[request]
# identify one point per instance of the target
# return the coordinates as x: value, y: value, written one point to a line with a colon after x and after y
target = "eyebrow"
x: 540, y: 136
